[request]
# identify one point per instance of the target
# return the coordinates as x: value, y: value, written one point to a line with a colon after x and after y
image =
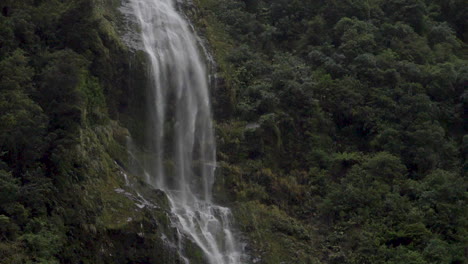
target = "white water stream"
x: 181, y: 131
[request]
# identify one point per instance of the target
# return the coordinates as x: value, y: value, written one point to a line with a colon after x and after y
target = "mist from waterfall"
x: 180, y: 130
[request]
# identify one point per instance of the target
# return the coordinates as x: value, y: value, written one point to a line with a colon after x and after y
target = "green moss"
x: 124, y: 216
x: 222, y: 45
x: 275, y: 236
x: 215, y: 32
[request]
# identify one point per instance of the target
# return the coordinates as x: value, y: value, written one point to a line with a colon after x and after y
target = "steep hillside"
x: 67, y: 84
x: 341, y: 127
x: 341, y: 132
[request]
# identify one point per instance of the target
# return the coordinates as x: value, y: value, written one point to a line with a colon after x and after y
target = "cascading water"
x: 181, y: 131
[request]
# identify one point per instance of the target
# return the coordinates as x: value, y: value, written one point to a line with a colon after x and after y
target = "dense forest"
x: 340, y: 125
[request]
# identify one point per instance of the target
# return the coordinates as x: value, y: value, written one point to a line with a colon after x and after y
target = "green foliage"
x: 42, y: 240
x: 55, y: 130
x: 15, y: 72
x: 349, y: 118
x: 9, y: 187
x: 22, y: 129
x: 340, y: 125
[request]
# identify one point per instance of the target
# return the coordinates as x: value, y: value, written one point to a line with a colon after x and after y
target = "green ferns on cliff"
x: 341, y: 127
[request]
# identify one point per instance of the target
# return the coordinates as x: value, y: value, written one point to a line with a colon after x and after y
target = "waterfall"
x: 181, y: 139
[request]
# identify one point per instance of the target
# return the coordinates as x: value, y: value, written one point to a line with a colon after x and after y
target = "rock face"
x: 179, y: 147
x: 133, y: 219
x: 71, y: 86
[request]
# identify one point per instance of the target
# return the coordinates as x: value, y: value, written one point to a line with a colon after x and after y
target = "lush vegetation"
x: 340, y: 124
x: 341, y: 127
x: 63, y: 75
